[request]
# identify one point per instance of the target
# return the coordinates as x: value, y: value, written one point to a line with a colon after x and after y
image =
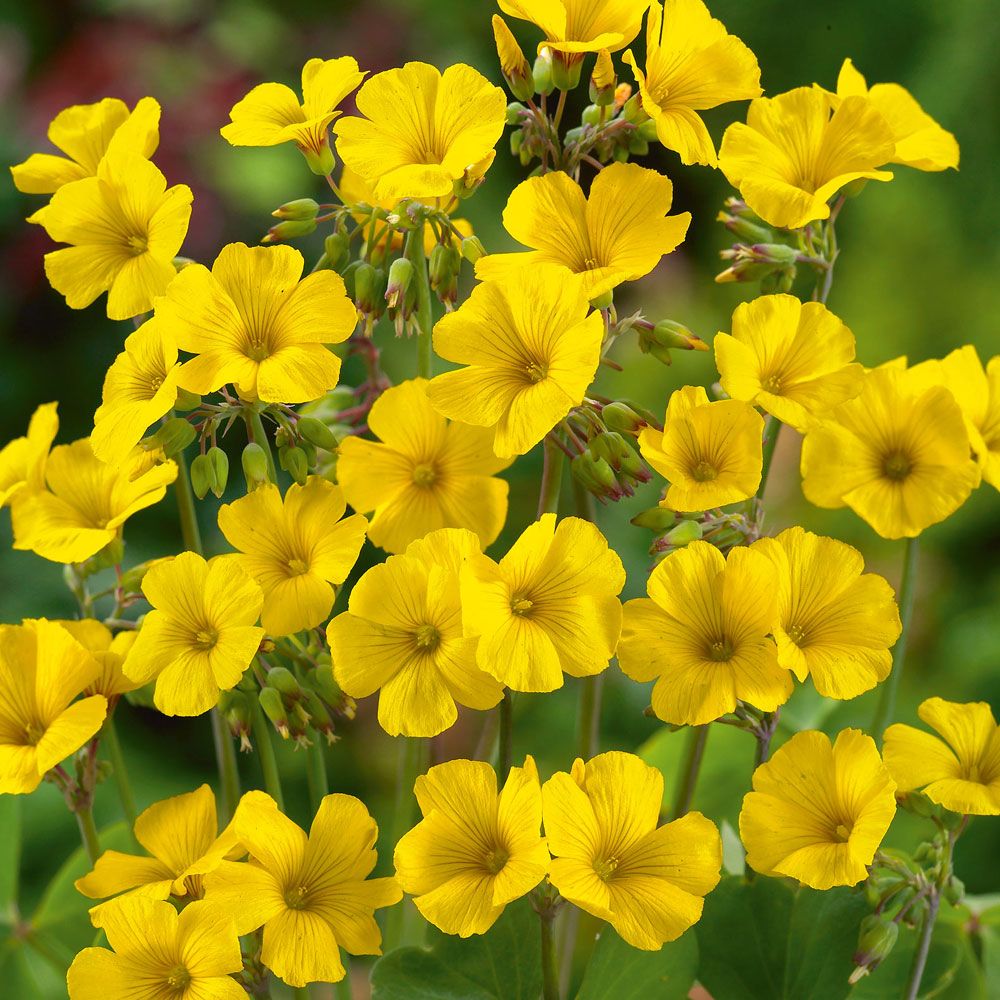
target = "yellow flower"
x: 124, y: 227
x: 475, y: 850
x: 793, y: 155
x: 531, y: 352
x: 22, y: 461
x: 402, y: 633
x: 711, y: 453
x: 702, y: 635
x: 85, y: 132
x: 311, y: 894
x: 295, y: 549
x: 42, y: 670
x: 692, y: 64
x: 159, y: 953
x: 920, y: 141
x: 618, y: 234
x: 960, y: 772
x: 421, y: 130
x: 86, y: 502
x: 549, y: 606
x: 793, y: 359
x: 896, y: 455
x: 139, y: 388
x: 271, y: 113
x: 182, y: 837
x: 817, y: 813
x: 612, y: 860
x: 578, y: 26
x: 425, y: 473
x: 835, y: 623
x: 110, y: 653
x: 253, y: 323
x: 201, y: 634
x: 977, y: 392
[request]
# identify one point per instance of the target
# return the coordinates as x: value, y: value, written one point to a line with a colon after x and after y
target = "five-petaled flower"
x: 574, y: 27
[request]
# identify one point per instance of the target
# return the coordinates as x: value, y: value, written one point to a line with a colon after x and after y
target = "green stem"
x: 697, y: 737
x: 229, y: 775
x: 560, y: 108
x: 255, y: 428
x: 552, y: 469
x: 923, y: 947
x: 343, y: 990
x: 589, y: 715
x: 771, y: 432
x: 88, y: 832
x: 109, y: 737
x: 550, y: 967
x: 265, y: 754
x: 190, y: 532
x: 424, y: 315
x: 316, y: 774
x: 907, y: 595
x: 505, y: 756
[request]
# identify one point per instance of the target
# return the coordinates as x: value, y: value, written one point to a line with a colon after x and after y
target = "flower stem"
x: 505, y: 757
x: 265, y: 753
x: 190, y: 532
x: 552, y: 469
x: 88, y: 832
x: 316, y: 774
x: 907, y: 595
x: 229, y: 775
x: 697, y: 737
x: 923, y: 947
x: 255, y: 429
x: 550, y: 967
x: 589, y: 715
x: 424, y: 316
x: 771, y: 433
x: 109, y: 737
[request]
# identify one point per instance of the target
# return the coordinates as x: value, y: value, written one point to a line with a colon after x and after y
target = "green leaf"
x: 618, y: 970
x: 764, y: 940
x: 24, y: 973
x: 503, y: 964
x: 10, y: 856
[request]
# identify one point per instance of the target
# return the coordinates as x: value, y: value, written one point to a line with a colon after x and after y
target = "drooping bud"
x: 668, y: 335
x: 877, y: 937
x: 621, y: 417
x: 274, y: 708
x: 746, y: 229
x: 514, y: 112
x: 321, y: 161
x: 234, y: 706
x: 201, y: 476
x: 174, y: 436
x: 473, y: 249
x: 445, y: 263
x: 255, y: 470
x: 300, y: 208
x: 284, y: 680
x: 316, y: 432
x: 591, y: 115
x: 622, y: 93
x: 473, y: 176
x: 684, y: 533
x: 657, y: 519
x: 219, y: 462
x: 319, y: 717
x: 290, y: 230
x: 596, y: 476
x: 400, y: 276
x: 753, y: 263
x: 515, y: 68
x: 603, y: 80
x: 336, y: 247
x: 186, y: 400
x: 295, y: 463
x: 542, y: 72
x: 633, y: 112
x: 131, y: 579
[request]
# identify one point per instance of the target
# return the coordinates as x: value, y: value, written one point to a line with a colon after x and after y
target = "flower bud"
x: 596, y: 476
x: 295, y: 463
x: 747, y: 230
x: 515, y: 68
x: 319, y: 717
x: 186, y: 400
x: 234, y: 706
x: 131, y: 579
x: 300, y: 208
x: 274, y: 708
x: 254, y: 461
x: 201, y: 476
x: 365, y: 287
x: 621, y: 417
x: 603, y: 80
x: 316, y: 432
x: 591, y: 115
x: 753, y: 263
x: 622, y: 93
x: 473, y: 249
x: 604, y: 301
x: 877, y: 937
x: 321, y: 161
x: 542, y: 72
x: 400, y: 276
x: 284, y: 680
x: 658, y: 519
x: 638, y: 145
x: 648, y: 131
x: 289, y: 230
x: 174, y: 436
x: 516, y: 143
x: 954, y: 890
x: 620, y: 154
x: 514, y: 112
x: 917, y: 803
x: 684, y: 533
x: 219, y: 461
x: 633, y: 112
x: 336, y: 246
x: 566, y: 69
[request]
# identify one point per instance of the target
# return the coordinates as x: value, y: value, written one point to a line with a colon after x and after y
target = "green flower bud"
x: 366, y: 287
x: 596, y: 476
x: 566, y: 69
x: 637, y: 144
x: 620, y: 154
x: 621, y: 417
x: 174, y: 436
x: 445, y: 262
x: 284, y: 680
x: 573, y: 135
x: 473, y: 249
x: 290, y: 230
x: 917, y: 803
x: 219, y: 461
x: 603, y: 80
x: 746, y: 229
x: 954, y: 890
x: 255, y: 469
x: 274, y: 708
x: 316, y: 432
x: 514, y: 112
x: 684, y: 533
x: 591, y: 115
x: 234, y: 706
x: 186, y: 400
x: 648, y: 130
x: 604, y: 301
x: 513, y: 65
x: 658, y: 519
x: 349, y: 274
x: 320, y: 162
x: 131, y: 579
x: 877, y: 937
x: 295, y: 463
x: 542, y: 73
x: 202, y: 476
x: 336, y: 247
x: 633, y: 111
x: 516, y: 142
x: 400, y: 276
x: 300, y: 208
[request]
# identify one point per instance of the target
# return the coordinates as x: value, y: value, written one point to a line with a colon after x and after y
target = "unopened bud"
x: 186, y: 400
x: 300, y: 208
x: 400, y: 276
x: 290, y: 230
x: 877, y: 937
x: 515, y: 110
x: 254, y: 460
x: 316, y: 432
x: 131, y: 579
x: 622, y: 94
x: 596, y: 476
x: 954, y: 890
x: 638, y: 145
x: 657, y: 519
x: 621, y: 417
x: 174, y: 436
x: 295, y: 463
x: 445, y: 262
x: 746, y: 229
x: 917, y: 803
x: 753, y: 263
x: 591, y: 115
x: 515, y: 68
x: 566, y: 69
x: 542, y: 72
x: 684, y: 533
x: 274, y: 708
x: 321, y: 161
x: 219, y: 462
x: 473, y: 249
x: 603, y: 80
x: 284, y: 680
x: 336, y: 247
x: 648, y: 131
x: 201, y: 476
x: 633, y: 112
x: 234, y: 706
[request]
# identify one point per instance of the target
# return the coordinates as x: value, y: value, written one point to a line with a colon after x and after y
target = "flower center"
x: 973, y: 773
x: 703, y: 472
x: 257, y: 348
x: 896, y: 466
x: 137, y: 245
x: 797, y: 634
x: 427, y: 637
x: 206, y: 638
x: 842, y: 833
x: 296, y: 567
x: 721, y: 650
x: 496, y: 860
x: 195, y: 886
x: 771, y: 384
x: 295, y: 898
x: 606, y: 868
x: 178, y: 978
x: 424, y: 475
x: 591, y: 264
x: 535, y: 372
x: 154, y: 384
x: 521, y: 605
x: 33, y: 733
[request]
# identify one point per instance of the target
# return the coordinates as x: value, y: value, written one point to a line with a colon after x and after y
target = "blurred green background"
x: 917, y: 276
